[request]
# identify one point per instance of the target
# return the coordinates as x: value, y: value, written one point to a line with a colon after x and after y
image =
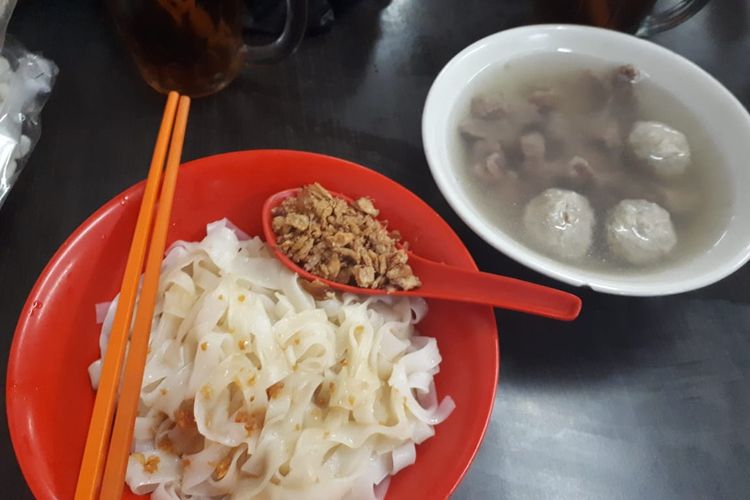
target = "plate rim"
x: 15, y: 410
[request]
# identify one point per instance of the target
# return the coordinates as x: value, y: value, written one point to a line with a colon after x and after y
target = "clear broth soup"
x: 569, y: 100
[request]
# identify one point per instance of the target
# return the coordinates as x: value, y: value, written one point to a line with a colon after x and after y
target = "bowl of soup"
x: 593, y: 157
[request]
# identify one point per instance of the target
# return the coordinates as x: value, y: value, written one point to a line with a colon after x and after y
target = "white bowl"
x: 723, y: 116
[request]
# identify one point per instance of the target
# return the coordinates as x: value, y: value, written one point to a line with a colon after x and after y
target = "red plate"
x: 49, y: 398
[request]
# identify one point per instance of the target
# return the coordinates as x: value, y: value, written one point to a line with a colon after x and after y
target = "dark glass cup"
x: 196, y: 47
x: 633, y: 16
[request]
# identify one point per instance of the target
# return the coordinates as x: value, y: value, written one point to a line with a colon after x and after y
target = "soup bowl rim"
x: 439, y: 122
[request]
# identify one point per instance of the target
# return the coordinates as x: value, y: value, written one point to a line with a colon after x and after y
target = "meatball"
x: 663, y: 149
x: 640, y: 231
x: 561, y: 222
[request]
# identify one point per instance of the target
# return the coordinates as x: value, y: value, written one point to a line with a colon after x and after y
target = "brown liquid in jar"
x: 192, y: 46
x: 622, y: 15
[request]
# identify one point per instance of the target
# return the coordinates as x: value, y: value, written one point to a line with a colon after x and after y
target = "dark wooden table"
x: 638, y: 399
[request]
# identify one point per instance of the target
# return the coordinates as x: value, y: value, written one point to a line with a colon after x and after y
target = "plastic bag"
x: 26, y: 80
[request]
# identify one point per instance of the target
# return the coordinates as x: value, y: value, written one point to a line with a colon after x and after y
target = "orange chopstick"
x: 97, y: 440
x: 127, y: 406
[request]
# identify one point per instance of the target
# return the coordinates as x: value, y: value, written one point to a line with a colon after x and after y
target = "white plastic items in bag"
x: 25, y: 82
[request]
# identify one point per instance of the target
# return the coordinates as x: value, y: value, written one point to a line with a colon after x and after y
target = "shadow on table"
x: 642, y: 343
x: 345, y: 51
x: 729, y: 20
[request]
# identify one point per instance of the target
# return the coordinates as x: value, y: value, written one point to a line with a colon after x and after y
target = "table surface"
x: 639, y: 398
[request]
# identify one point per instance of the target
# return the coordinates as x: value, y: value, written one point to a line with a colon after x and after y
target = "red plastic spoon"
x: 441, y: 281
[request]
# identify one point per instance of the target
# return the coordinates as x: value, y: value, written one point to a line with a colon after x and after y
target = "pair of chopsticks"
x: 108, y: 445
